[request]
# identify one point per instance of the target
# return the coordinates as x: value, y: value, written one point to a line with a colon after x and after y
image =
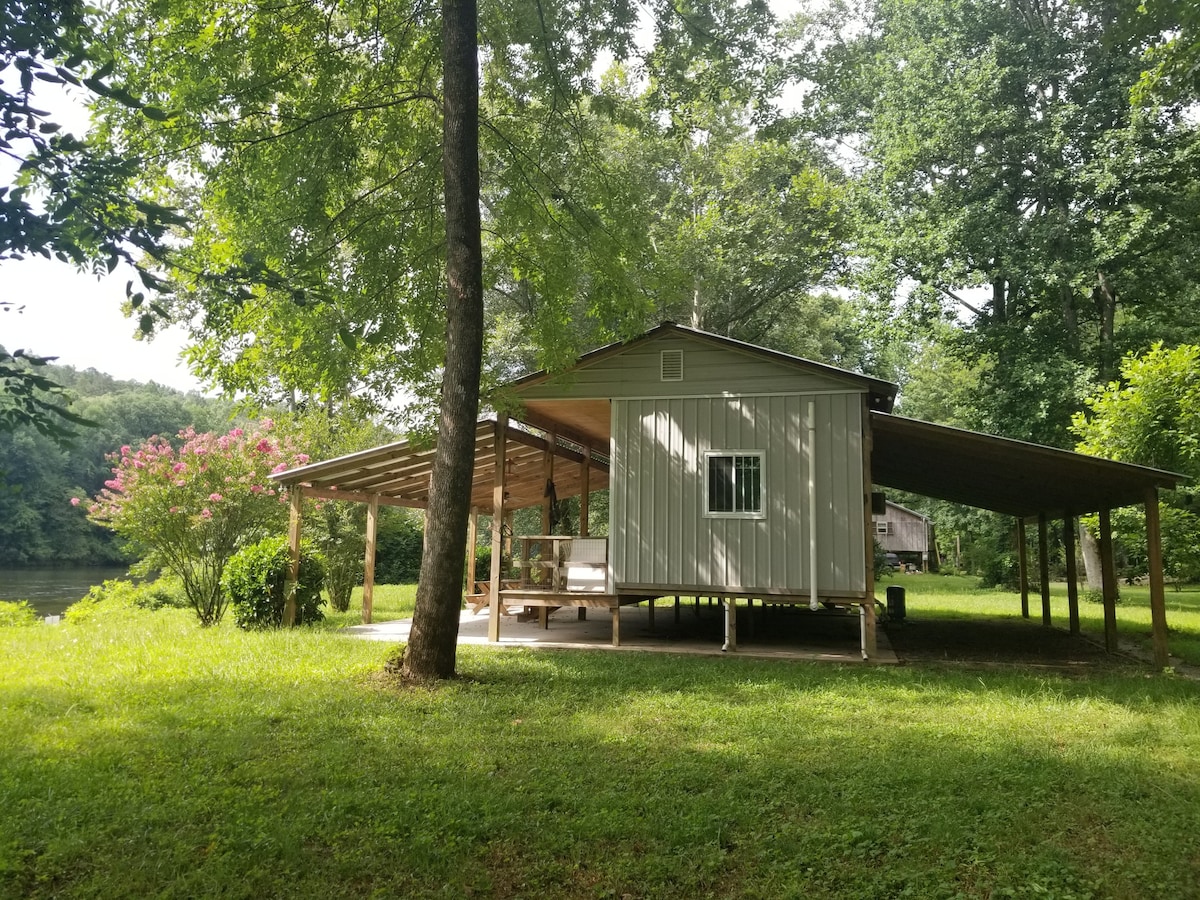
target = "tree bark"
x: 1090, y: 551
x: 432, y: 643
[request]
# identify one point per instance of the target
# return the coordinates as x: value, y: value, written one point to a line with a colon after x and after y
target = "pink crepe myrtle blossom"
x: 158, y: 494
x: 74, y: 501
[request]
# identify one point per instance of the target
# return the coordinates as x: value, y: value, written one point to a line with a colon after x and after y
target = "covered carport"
x: 514, y: 468
x: 1034, y: 484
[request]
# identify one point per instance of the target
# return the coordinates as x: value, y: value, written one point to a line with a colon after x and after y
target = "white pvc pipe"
x: 812, y: 505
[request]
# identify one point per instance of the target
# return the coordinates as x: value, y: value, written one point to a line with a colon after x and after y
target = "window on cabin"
x: 883, y: 528
x: 734, y: 484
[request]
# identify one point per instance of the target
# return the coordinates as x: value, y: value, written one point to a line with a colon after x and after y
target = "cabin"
x: 907, y: 534
x: 735, y: 473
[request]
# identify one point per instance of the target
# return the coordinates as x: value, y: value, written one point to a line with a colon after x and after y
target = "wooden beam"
x: 368, y: 606
x: 536, y: 443
x: 537, y: 420
x: 358, y: 497
x: 1072, y: 573
x: 1108, y: 574
x: 295, y: 499
x: 1158, y: 603
x: 1023, y: 567
x: 497, y: 529
x: 1044, y: 566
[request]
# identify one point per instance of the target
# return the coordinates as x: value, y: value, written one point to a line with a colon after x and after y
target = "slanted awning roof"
x: 398, y: 474
x: 1001, y: 474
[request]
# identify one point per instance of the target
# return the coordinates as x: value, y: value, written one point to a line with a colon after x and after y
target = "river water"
x: 50, y: 591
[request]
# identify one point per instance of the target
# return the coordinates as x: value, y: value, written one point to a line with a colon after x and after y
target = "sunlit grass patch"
x: 143, y: 755
x: 960, y: 597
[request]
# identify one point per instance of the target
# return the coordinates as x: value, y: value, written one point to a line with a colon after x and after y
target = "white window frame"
x: 761, y: 512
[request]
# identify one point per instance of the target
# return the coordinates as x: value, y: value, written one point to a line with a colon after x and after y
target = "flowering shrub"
x: 256, y: 579
x: 189, y: 510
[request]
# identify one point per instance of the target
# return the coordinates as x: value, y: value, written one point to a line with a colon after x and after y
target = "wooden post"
x: 869, y: 524
x: 585, y: 487
x: 676, y: 609
x: 650, y: 612
x: 1072, y: 573
x: 870, y: 641
x: 616, y: 625
x: 368, y: 606
x: 295, y: 499
x: 500, y: 455
x: 1044, y: 567
x: 1023, y: 567
x: 730, y: 624
x: 1108, y: 577
x: 1158, y: 602
x: 472, y: 548
x: 547, y: 477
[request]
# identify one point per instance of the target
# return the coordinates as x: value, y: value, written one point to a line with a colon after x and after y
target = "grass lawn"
x: 141, y: 755
x: 944, y: 596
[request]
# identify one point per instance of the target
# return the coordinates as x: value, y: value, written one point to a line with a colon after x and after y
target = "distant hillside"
x: 38, y: 478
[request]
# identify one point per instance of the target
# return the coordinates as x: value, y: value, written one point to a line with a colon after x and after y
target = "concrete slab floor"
x: 775, y: 632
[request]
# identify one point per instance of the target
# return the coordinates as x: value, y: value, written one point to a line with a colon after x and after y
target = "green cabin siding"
x: 658, y: 531
x: 708, y: 370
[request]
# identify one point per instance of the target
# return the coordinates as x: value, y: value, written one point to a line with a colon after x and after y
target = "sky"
x: 77, y: 316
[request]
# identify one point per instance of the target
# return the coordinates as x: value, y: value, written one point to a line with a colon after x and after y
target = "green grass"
x: 947, y: 596
x: 389, y: 602
x: 141, y: 755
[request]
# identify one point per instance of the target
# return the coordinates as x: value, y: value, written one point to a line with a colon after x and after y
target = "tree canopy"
x: 1006, y: 181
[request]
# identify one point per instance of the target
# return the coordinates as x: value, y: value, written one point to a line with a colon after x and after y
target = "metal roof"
x: 399, y: 473
x: 1000, y: 474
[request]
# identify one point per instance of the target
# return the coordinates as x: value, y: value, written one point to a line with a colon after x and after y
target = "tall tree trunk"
x: 1091, y: 557
x: 434, y: 637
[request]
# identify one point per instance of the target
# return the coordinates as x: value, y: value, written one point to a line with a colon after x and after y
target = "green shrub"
x: 112, y: 596
x: 255, y: 580
x: 398, y: 546
x: 159, y: 594
x: 1092, y: 595
x: 17, y: 613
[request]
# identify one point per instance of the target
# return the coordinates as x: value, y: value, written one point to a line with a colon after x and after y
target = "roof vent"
x: 672, y: 365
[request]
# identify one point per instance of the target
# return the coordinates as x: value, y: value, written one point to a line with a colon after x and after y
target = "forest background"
x: 991, y: 203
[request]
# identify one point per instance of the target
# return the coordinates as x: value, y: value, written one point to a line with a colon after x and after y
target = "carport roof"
x: 398, y: 474
x: 1000, y: 474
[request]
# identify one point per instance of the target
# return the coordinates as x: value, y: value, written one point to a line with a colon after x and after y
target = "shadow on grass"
x: 581, y: 774
x: 153, y: 757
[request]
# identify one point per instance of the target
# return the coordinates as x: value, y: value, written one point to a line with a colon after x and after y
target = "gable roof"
x: 892, y: 504
x: 881, y: 394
